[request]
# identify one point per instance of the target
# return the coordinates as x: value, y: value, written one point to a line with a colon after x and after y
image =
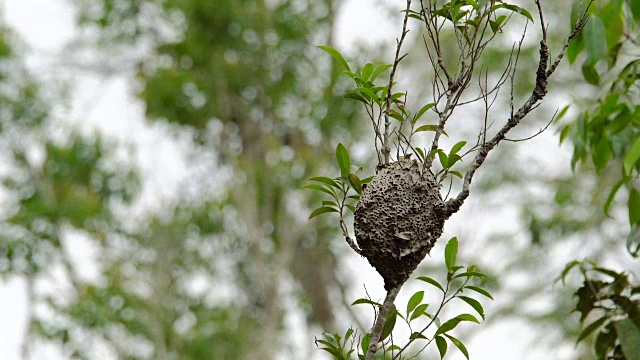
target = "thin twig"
x: 536, y: 134
x: 386, y: 149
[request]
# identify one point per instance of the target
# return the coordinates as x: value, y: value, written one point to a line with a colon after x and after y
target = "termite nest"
x: 398, y: 219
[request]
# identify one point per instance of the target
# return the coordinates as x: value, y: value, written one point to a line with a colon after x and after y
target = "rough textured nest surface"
x: 398, y: 219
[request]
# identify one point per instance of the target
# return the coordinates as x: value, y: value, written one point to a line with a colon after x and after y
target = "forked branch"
x: 539, y: 91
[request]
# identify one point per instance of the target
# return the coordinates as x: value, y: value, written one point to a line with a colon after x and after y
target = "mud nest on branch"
x: 398, y: 219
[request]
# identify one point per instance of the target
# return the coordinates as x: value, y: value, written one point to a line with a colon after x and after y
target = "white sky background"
x: 46, y: 25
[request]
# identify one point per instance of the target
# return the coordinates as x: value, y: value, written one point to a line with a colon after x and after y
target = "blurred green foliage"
x: 245, y: 80
x: 242, y: 78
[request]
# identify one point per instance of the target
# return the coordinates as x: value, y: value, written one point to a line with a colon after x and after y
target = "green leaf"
x: 586, y: 299
x: 355, y: 96
x: 364, y: 345
x: 366, y: 180
x: 326, y: 343
x: 453, y: 159
x: 459, y: 345
x: 496, y: 24
x: 325, y: 180
x: 367, y: 70
x: 575, y: 48
x: 419, y: 311
x: 591, y: 328
x: 635, y: 9
x: 336, y: 55
x: 629, y: 337
x: 421, y: 154
x: 608, y: 272
x: 605, y: 340
x: 431, y: 281
x: 471, y: 274
x: 519, y: 10
x: 423, y: 110
x: 590, y: 73
x: 336, y: 353
x: 513, y: 8
x: 479, y: 291
x: 429, y: 128
x: 632, y: 157
x: 397, y: 96
x: 365, y: 301
x: 595, y: 39
x: 414, y: 301
x: 612, y: 195
x: 633, y: 241
x: 601, y: 154
x: 417, y: 335
x: 451, y: 252
x: 444, y: 160
x: 368, y: 93
x: 634, y: 207
x: 342, y: 155
x: 396, y: 115
x: 468, y: 317
x: 319, y: 188
x: 379, y: 70
x: 448, y: 326
x: 456, y: 173
x: 457, y: 147
x: 452, y: 323
x: 348, y: 335
x: 568, y: 268
x: 355, y: 182
x: 442, y: 346
x: 561, y: 114
x: 475, y: 304
x: 322, y: 210
x: 390, y: 324
x: 565, y: 132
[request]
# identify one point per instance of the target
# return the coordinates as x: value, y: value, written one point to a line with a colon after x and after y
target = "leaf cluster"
x: 416, y: 313
x: 610, y: 297
x: 607, y: 133
x: 345, y: 190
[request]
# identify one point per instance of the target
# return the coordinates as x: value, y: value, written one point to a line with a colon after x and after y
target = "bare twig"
x: 577, y: 28
x: 536, y: 134
x: 386, y: 149
x: 343, y: 225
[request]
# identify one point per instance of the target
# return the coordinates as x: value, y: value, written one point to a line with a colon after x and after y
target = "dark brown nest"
x: 398, y: 219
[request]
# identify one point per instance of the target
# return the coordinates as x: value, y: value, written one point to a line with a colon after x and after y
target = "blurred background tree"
x: 227, y: 267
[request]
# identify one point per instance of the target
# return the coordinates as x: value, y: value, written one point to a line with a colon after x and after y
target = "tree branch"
x: 381, y: 320
x: 539, y: 91
x: 386, y: 149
